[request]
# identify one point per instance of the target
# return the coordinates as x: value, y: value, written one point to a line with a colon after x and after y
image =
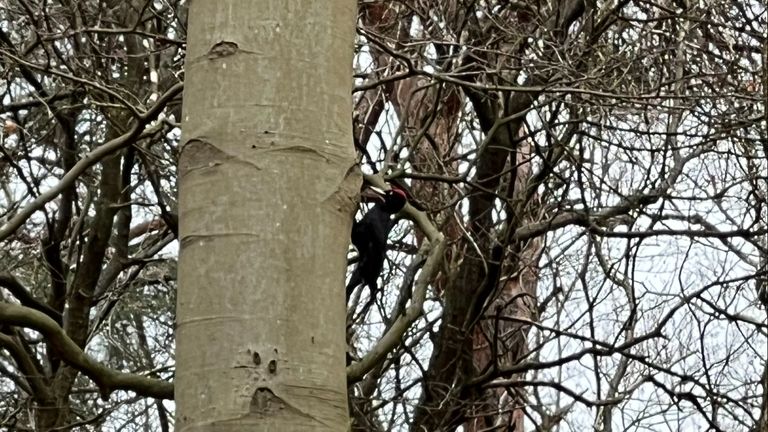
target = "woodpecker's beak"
x: 373, y: 192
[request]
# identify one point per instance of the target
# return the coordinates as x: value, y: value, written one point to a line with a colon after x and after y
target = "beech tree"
x: 585, y: 245
x: 267, y: 191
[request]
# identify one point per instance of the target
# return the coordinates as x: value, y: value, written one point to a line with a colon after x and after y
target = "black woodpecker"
x: 369, y: 236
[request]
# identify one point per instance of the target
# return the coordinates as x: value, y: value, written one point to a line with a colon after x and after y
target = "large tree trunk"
x: 267, y: 193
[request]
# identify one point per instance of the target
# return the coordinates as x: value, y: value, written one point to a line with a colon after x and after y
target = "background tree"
x: 586, y: 245
x: 84, y: 97
x: 592, y: 129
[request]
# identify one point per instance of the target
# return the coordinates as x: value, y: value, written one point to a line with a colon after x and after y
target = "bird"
x: 369, y: 236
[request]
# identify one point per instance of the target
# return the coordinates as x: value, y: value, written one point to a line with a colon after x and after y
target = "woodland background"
x: 596, y: 173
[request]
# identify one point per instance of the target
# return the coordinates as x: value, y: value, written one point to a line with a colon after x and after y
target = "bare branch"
x: 105, y: 378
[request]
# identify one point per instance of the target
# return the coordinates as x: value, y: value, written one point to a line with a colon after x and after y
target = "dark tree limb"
x: 22, y: 294
x: 136, y: 132
x: 106, y: 379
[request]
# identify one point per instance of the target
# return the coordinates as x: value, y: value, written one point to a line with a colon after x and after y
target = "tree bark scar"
x: 347, y: 193
x: 197, y: 154
x: 264, y: 402
x: 222, y: 49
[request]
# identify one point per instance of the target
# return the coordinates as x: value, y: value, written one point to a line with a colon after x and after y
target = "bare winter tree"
x: 87, y: 165
x: 585, y: 246
x: 599, y: 173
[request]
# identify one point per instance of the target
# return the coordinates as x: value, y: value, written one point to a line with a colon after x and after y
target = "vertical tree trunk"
x: 267, y: 193
x: 111, y: 217
x: 499, y: 341
x: 762, y: 280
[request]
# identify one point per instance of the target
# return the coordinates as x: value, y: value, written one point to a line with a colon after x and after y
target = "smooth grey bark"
x: 267, y: 191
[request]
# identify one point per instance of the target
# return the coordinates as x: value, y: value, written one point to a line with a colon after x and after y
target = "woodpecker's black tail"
x: 354, y: 281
